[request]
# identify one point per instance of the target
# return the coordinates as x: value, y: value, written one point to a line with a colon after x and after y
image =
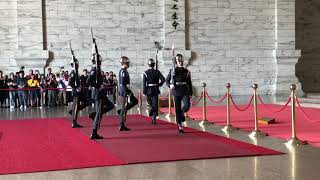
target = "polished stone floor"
x: 299, y: 163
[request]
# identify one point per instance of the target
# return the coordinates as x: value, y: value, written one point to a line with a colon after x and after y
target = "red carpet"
x: 51, y: 144
x: 148, y: 143
x: 48, y: 144
x: 306, y: 129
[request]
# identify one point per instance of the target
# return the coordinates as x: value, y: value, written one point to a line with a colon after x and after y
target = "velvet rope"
x: 214, y: 101
x: 235, y: 105
x: 286, y: 105
x: 196, y: 102
x: 303, y: 112
x: 28, y: 89
x: 260, y: 99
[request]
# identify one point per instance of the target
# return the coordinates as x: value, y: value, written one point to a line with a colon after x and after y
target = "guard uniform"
x: 101, y: 102
x: 181, y: 91
x: 126, y: 99
x: 152, y: 80
x: 79, y: 100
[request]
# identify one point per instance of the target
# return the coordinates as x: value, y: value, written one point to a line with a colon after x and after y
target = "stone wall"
x: 236, y: 41
x: 8, y: 33
x: 232, y: 42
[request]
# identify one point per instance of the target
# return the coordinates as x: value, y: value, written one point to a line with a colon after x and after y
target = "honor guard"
x: 101, y: 101
x: 179, y: 81
x: 126, y: 98
x: 79, y: 101
x: 152, y: 80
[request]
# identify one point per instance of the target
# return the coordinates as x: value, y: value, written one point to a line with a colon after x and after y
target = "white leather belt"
x: 152, y: 85
x: 181, y: 83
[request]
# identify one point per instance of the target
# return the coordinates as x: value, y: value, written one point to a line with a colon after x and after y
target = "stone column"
x: 285, y: 54
x: 30, y: 52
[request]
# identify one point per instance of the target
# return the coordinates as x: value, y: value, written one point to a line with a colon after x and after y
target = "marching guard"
x: 179, y: 81
x: 126, y: 98
x: 79, y: 100
x: 152, y: 80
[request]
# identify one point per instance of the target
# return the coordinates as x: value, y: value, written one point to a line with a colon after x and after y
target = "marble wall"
x: 8, y: 33
x: 236, y: 41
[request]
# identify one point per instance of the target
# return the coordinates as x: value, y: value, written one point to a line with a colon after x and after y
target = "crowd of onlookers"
x: 21, y: 90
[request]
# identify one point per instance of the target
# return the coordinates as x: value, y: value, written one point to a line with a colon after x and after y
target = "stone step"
x: 313, y: 95
x: 310, y: 100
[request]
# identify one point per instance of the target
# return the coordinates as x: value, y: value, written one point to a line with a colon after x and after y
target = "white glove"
x: 171, y: 86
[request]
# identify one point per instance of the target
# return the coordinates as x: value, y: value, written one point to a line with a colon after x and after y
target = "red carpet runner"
x: 51, y: 144
x: 148, y: 143
x: 48, y: 144
x: 306, y: 129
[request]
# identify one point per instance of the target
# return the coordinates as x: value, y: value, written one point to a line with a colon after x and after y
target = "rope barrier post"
x: 159, y: 112
x: 169, y: 115
x: 294, y: 141
x: 256, y: 132
x: 228, y: 126
x: 204, y: 121
x: 139, y: 101
x: 41, y: 98
x: 169, y: 105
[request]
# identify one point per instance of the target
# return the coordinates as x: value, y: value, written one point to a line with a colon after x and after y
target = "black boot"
x: 92, y: 115
x: 76, y: 125
x: 95, y: 135
x: 180, y: 129
x: 154, y: 122
x: 124, y: 128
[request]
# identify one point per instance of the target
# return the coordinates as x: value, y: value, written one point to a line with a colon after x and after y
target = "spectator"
x: 33, y: 83
x: 12, y: 84
x: 61, y: 89
x: 113, y: 83
x: 52, y: 97
x: 43, y: 90
x: 6, y: 93
x: 2, y: 93
x: 22, y: 94
x: 84, y: 85
x: 49, y: 72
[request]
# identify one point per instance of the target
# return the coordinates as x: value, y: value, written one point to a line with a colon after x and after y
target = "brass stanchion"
x: 294, y: 140
x: 204, y: 108
x: 256, y: 132
x: 169, y: 103
x: 228, y: 126
x: 140, y: 101
x: 41, y: 99
x: 169, y: 115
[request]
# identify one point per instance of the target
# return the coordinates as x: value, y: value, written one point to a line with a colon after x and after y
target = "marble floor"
x: 299, y: 163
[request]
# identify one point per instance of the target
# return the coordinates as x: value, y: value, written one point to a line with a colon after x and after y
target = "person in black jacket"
x: 180, y: 84
x: 102, y: 103
x: 152, y: 80
x: 79, y: 100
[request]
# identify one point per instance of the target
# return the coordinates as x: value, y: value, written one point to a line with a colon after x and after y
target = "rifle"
x: 75, y: 62
x: 97, y: 58
x: 72, y: 52
x: 157, y: 60
x: 173, y: 72
x: 96, y: 55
